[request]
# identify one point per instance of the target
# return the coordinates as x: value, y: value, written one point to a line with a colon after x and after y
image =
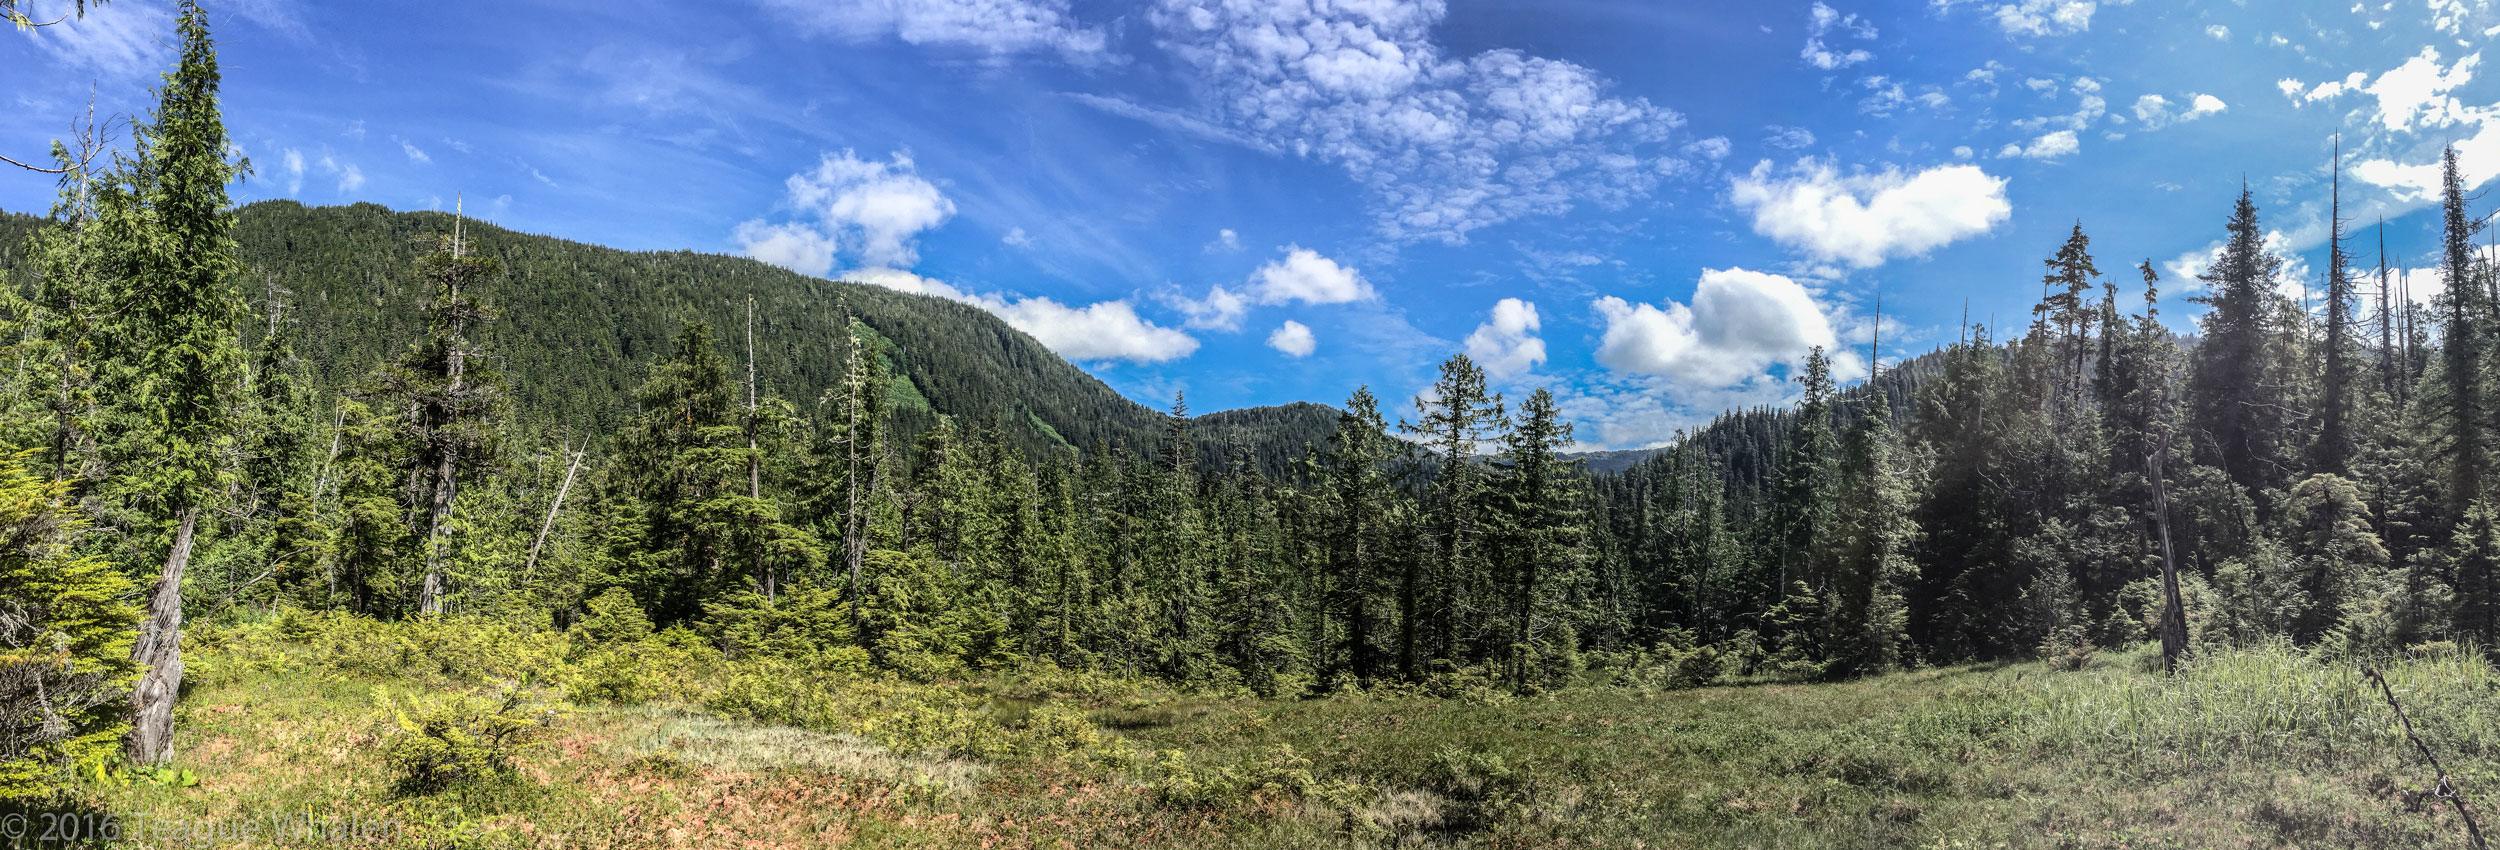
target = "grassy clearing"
x: 2263, y: 747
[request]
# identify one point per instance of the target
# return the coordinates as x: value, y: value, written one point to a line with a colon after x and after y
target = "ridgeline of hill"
x: 575, y: 324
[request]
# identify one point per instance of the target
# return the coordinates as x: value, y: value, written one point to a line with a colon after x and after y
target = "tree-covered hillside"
x: 574, y: 326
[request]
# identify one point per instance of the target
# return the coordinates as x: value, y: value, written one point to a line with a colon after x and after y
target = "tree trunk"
x: 2173, y: 612
x: 530, y: 567
x: 159, y: 655
x: 447, y: 471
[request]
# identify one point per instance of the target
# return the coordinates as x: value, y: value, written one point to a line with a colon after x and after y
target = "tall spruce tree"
x: 1457, y: 421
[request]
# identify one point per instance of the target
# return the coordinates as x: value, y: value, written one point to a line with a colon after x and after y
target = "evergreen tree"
x: 1458, y: 419
x: 171, y: 377
x: 1353, y: 472
x: 2237, y: 415
x: 1543, y: 534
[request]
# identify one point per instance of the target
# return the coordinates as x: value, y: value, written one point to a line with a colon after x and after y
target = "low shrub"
x: 432, y: 742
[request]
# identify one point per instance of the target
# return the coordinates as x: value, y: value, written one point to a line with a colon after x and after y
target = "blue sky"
x: 1653, y: 208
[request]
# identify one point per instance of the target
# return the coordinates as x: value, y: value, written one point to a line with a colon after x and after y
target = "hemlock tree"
x: 178, y: 361
x: 447, y: 405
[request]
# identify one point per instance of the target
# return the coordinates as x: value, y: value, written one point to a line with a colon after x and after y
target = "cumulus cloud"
x: 1446, y: 145
x: 1294, y: 339
x: 1221, y: 310
x: 2218, y: 32
x: 2417, y: 91
x: 2045, y: 17
x: 1107, y: 330
x: 1713, y: 148
x: 2413, y: 101
x: 798, y: 247
x: 2047, y: 146
x: 1820, y: 21
x: 1740, y: 323
x: 1507, y: 343
x: 2155, y: 111
x: 1302, y: 275
x: 997, y: 27
x: 1863, y: 219
x: 1016, y: 237
x: 1305, y: 276
x: 1225, y: 240
x: 885, y: 203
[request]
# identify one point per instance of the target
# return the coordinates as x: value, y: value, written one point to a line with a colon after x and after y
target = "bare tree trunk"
x: 159, y: 655
x: 2173, y: 612
x: 755, y: 460
x: 854, y: 549
x: 530, y: 567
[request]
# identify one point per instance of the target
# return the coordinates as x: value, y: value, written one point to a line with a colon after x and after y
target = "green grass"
x: 2264, y: 747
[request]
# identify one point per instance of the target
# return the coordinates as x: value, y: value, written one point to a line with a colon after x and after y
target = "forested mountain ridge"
x: 575, y: 325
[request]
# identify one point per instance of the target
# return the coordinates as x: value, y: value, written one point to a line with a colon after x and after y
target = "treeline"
x: 2312, y: 470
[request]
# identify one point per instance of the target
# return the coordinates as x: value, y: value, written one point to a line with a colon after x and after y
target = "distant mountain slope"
x: 575, y: 324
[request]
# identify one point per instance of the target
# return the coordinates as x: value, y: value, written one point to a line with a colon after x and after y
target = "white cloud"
x: 1507, y: 343
x: 294, y: 162
x: 1789, y: 138
x: 2417, y: 91
x: 1961, y: 152
x: 1294, y: 339
x: 887, y: 203
x: 1301, y: 276
x: 350, y: 178
x: 1739, y: 324
x: 2454, y: 16
x: 1713, y: 148
x: 124, y: 40
x: 903, y: 281
x: 2045, y: 17
x: 2414, y: 101
x: 2047, y: 146
x: 1107, y: 330
x: 2155, y: 111
x: 798, y: 247
x: 1446, y: 145
x: 1864, y: 219
x: 1305, y: 276
x: 2219, y: 32
x: 415, y: 155
x: 1820, y: 21
x: 1221, y: 310
x: 877, y: 207
x: 1225, y: 240
x: 997, y: 27
x: 1016, y: 237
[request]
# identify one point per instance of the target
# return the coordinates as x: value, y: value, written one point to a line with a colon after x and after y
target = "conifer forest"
x: 346, y: 524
